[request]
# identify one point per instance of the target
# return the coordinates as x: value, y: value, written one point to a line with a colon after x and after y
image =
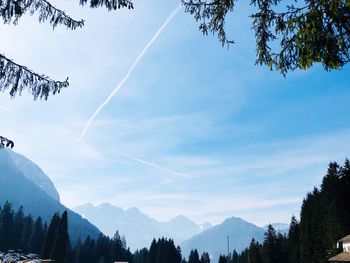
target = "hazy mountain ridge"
x: 214, y: 239
x: 20, y: 190
x: 138, y: 228
x: 34, y: 173
x: 279, y: 227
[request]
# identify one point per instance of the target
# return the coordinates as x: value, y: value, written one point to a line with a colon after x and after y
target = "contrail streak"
x: 117, y: 88
x: 153, y: 165
x: 4, y: 108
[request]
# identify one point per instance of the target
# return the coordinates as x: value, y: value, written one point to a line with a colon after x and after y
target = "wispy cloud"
x: 120, y: 84
x: 4, y: 108
x: 154, y: 165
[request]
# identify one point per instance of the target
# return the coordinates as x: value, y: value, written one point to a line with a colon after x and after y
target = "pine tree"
x: 152, y: 255
x: 50, y: 236
x: 15, y: 77
x: 294, y: 241
x: 18, y: 227
x: 59, y: 250
x: 345, y: 196
x: 193, y: 257
x: 36, y: 238
x: 205, y: 258
x: 254, y: 252
x: 234, y: 256
x: 289, y: 34
x: 222, y: 259
x: 4, y: 142
x: 6, y: 227
x: 27, y: 230
x: 270, y: 242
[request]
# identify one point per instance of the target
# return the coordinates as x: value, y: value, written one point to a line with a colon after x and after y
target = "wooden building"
x: 344, y: 256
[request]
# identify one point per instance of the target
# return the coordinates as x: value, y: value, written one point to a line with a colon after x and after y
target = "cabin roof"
x: 345, y: 239
x: 342, y: 257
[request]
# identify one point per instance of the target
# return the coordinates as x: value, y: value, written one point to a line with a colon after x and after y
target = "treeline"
x: 324, y: 219
x: 164, y: 251
x: 51, y: 241
x: 102, y: 250
x: 21, y: 232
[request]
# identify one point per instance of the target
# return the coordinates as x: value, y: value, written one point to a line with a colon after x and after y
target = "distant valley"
x: 23, y: 183
x: 138, y: 228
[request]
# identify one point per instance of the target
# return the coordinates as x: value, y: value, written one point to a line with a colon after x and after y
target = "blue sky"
x: 197, y: 129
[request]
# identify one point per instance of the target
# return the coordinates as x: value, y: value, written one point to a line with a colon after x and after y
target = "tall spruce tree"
x: 36, y: 238
x: 223, y: 259
x: 270, y: 245
x: 254, y: 252
x: 6, y: 227
x: 18, y: 226
x: 294, y: 241
x: 59, y: 250
x: 14, y: 77
x: 193, y: 257
x: 50, y: 236
x: 205, y: 258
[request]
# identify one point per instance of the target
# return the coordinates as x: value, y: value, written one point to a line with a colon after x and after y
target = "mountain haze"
x: 279, y: 227
x: 23, y: 183
x: 34, y: 173
x: 214, y: 239
x: 138, y: 228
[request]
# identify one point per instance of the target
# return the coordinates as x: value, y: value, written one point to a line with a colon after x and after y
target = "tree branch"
x: 11, y: 11
x: 4, y: 142
x: 16, y: 78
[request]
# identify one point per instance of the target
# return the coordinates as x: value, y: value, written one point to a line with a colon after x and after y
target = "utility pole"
x: 228, y: 245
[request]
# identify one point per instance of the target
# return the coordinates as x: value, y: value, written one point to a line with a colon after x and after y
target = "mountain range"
x: 138, y: 228
x: 233, y: 232
x: 23, y: 183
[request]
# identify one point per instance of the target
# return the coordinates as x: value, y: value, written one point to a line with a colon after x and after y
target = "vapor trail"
x: 4, y: 108
x: 153, y: 165
x: 120, y: 84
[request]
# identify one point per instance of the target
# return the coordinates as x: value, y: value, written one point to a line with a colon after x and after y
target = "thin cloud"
x: 4, y: 108
x: 154, y: 165
x: 120, y: 84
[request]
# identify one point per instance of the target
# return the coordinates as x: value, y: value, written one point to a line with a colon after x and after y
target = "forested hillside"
x: 324, y: 219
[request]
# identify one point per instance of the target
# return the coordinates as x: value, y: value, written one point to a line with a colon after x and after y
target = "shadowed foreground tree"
x: 289, y: 34
x: 14, y: 77
x: 4, y: 142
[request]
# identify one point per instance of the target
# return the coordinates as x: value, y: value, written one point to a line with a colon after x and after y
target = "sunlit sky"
x: 197, y: 129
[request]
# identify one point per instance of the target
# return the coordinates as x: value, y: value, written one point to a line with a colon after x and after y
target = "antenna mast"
x: 228, y: 245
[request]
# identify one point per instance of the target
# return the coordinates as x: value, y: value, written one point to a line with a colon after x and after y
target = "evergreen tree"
x: 294, y: 241
x: 193, y: 257
x: 18, y: 227
x: 289, y: 35
x: 27, y: 230
x: 205, y: 258
x: 59, y: 250
x: 36, y: 238
x: 50, y: 236
x: 223, y: 259
x: 6, y: 227
x: 270, y: 245
x: 345, y: 196
x: 234, y: 256
x: 15, y: 77
x: 152, y: 255
x: 254, y: 252
x: 141, y: 256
